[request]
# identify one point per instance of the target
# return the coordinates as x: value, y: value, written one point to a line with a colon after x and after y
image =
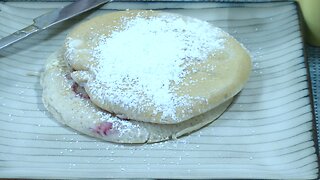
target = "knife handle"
x: 18, y: 35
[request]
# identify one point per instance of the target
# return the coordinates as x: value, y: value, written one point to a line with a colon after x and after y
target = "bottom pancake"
x: 69, y: 105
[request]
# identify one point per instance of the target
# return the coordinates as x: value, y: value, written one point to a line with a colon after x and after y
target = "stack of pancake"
x: 142, y: 76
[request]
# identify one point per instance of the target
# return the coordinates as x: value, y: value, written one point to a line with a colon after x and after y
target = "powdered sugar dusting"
x: 142, y: 63
x: 119, y: 126
x: 72, y: 45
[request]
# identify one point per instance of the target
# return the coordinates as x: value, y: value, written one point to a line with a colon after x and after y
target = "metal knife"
x: 51, y: 18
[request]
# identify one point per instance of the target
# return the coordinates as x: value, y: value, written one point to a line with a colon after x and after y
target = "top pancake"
x: 154, y: 66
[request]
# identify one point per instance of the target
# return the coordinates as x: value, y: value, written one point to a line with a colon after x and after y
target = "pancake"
x: 155, y: 67
x: 71, y: 106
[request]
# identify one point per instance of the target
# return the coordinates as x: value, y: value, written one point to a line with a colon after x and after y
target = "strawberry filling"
x: 103, y: 128
x: 79, y: 91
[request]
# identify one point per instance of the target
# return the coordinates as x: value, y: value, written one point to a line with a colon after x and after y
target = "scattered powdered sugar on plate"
x: 143, y: 62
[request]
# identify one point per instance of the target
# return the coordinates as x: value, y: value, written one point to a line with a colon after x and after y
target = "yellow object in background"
x: 311, y: 13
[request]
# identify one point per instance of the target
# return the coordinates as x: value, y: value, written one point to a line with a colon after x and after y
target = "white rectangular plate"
x: 266, y: 133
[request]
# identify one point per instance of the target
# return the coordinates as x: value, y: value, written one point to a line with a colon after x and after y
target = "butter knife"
x: 51, y: 18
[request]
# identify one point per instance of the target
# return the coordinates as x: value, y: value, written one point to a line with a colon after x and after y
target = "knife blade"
x: 51, y: 18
